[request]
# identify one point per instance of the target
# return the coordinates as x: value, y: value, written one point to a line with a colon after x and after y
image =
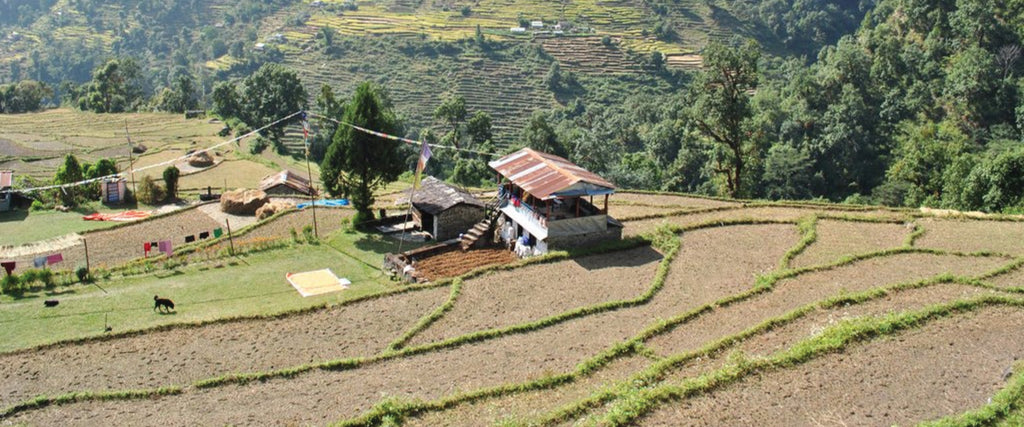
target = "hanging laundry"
x: 217, y: 232
x: 165, y: 247
x: 190, y: 238
x: 55, y: 258
x: 154, y: 244
x: 147, y: 247
x: 204, y: 235
x: 39, y: 261
x: 9, y: 266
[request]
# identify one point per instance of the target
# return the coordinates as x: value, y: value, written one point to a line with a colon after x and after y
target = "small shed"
x: 445, y: 211
x: 113, y: 190
x: 286, y: 183
x: 6, y: 183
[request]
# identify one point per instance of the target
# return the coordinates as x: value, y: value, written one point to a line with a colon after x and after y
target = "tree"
x: 225, y: 100
x: 182, y: 95
x: 453, y: 111
x: 539, y: 136
x: 171, y: 175
x: 271, y: 93
x: 116, y: 86
x: 721, y: 105
x: 69, y: 172
x: 356, y: 162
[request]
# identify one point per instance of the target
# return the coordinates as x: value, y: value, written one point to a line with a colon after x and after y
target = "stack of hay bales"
x: 243, y: 201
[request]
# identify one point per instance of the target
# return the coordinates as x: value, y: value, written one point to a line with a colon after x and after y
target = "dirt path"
x: 946, y: 367
x: 183, y: 355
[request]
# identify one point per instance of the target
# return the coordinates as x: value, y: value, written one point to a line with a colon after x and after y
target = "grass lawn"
x: 249, y: 285
x: 18, y: 227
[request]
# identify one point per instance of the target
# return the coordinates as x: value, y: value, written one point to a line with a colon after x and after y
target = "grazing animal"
x: 163, y: 304
x: 51, y: 303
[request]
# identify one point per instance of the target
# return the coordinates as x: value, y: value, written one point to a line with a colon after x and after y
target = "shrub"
x: 150, y: 192
x: 307, y: 232
x: 258, y: 145
x: 83, y: 274
x: 295, y: 234
x: 607, y: 41
x: 11, y: 285
x: 37, y: 205
x: 466, y: 10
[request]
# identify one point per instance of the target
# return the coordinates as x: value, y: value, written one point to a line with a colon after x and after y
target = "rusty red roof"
x: 548, y: 176
x: 6, y: 179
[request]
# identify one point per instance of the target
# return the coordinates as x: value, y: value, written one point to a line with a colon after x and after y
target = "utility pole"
x: 131, y: 161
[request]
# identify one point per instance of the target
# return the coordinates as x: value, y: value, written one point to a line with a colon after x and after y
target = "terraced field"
x: 723, y: 313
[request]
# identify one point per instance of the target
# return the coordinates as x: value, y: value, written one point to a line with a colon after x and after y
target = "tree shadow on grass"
x: 635, y: 258
x: 13, y: 215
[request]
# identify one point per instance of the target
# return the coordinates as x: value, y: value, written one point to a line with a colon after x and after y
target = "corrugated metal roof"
x: 547, y: 175
x: 435, y: 196
x: 6, y: 179
x: 288, y: 178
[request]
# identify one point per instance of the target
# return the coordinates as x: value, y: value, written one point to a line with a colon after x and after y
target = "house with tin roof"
x: 546, y: 202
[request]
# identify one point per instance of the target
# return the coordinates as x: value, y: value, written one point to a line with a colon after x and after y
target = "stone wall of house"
x: 585, y: 239
x: 457, y: 219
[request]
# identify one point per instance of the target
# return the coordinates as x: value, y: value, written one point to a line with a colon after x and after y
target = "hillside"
x: 421, y: 50
x: 725, y: 313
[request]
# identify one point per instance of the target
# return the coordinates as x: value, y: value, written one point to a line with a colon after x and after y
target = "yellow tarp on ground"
x: 317, y: 282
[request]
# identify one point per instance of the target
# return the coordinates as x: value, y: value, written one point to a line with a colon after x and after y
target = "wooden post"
x: 231, y: 239
x: 578, y: 203
x: 86, y: 244
x: 606, y: 204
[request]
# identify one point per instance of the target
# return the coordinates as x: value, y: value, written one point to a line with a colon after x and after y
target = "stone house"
x: 444, y: 211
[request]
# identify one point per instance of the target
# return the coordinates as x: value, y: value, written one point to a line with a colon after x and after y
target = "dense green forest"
x: 897, y: 102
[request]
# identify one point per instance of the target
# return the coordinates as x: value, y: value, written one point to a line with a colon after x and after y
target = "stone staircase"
x: 483, y: 229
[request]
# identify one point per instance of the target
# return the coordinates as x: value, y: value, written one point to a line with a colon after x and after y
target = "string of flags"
x: 399, y: 138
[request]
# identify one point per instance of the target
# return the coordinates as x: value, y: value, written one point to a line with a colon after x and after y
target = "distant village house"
x: 286, y: 183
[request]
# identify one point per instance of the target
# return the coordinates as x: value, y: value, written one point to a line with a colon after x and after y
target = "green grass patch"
x: 233, y: 287
x: 19, y: 227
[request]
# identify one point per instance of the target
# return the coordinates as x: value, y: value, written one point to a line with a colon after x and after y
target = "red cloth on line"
x: 55, y: 258
x: 147, y: 246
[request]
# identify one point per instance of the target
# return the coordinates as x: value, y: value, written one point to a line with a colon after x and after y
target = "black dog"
x: 51, y: 303
x: 162, y: 304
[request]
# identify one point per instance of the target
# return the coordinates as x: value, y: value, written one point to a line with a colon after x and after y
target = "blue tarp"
x: 334, y: 203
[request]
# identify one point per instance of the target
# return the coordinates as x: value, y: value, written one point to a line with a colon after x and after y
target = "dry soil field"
x: 738, y: 313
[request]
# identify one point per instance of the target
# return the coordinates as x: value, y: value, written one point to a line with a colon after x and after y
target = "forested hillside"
x: 901, y: 102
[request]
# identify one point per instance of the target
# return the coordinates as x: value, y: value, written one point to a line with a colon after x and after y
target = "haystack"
x: 200, y: 159
x: 272, y: 208
x: 242, y: 201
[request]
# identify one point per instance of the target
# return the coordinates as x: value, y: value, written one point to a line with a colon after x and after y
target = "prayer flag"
x: 39, y: 261
x: 190, y: 238
x: 421, y: 164
x: 217, y: 232
x: 55, y: 258
x: 9, y: 266
x: 204, y: 234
